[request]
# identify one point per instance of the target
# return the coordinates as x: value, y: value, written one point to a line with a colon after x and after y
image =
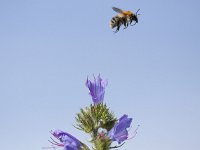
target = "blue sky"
x: 49, y: 47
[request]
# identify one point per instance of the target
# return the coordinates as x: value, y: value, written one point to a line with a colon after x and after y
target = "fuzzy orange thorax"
x: 128, y: 13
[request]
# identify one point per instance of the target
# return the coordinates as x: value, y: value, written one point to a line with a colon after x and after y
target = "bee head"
x: 133, y: 17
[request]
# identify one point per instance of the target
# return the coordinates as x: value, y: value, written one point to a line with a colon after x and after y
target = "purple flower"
x: 119, y: 132
x: 67, y: 141
x: 97, y: 89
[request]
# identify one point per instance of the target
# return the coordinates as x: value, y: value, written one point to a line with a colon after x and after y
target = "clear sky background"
x: 49, y: 47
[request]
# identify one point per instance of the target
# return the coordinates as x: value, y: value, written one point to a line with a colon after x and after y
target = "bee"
x: 123, y: 18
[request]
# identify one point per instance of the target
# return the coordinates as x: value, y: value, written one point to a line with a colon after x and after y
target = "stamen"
x: 54, y: 141
x: 53, y: 135
x: 134, y: 133
x: 49, y: 147
x: 51, y: 142
x: 57, y: 144
x: 117, y: 146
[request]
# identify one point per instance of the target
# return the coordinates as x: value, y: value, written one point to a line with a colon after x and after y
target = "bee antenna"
x: 137, y: 11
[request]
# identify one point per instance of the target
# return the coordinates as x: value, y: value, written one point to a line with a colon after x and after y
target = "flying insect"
x: 123, y: 18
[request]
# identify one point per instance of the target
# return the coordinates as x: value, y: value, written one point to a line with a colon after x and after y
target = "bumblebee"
x: 123, y: 18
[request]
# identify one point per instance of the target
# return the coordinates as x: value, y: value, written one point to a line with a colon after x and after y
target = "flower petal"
x: 68, y: 141
x: 119, y: 132
x: 97, y: 89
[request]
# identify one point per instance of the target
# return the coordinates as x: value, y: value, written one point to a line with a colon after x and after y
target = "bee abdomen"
x: 114, y: 21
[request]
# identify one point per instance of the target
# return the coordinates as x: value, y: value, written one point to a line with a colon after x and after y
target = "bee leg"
x: 116, y: 31
x: 131, y: 21
x: 133, y: 24
x: 118, y: 27
x: 125, y: 25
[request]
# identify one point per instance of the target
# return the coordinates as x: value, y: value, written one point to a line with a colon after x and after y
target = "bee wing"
x: 117, y: 9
